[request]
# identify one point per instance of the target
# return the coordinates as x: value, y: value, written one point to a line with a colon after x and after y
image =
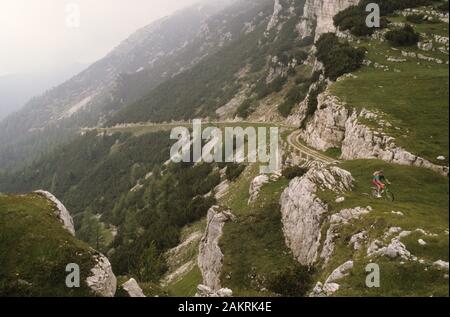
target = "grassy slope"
x: 414, y: 99
x: 253, y: 246
x: 422, y: 196
x: 34, y: 247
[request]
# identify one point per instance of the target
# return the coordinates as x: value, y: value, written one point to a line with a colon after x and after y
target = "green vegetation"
x: 338, y: 58
x: 422, y: 197
x: 35, y: 249
x: 294, y: 281
x: 187, y: 286
x: 414, y: 99
x: 405, y: 36
x: 294, y: 96
x: 292, y: 172
x: 354, y: 17
x: 249, y: 265
x: 245, y: 109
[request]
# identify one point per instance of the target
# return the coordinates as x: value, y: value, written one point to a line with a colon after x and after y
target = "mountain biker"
x: 380, y: 181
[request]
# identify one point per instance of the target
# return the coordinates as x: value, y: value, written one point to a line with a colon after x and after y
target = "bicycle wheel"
x: 390, y: 196
x: 374, y: 193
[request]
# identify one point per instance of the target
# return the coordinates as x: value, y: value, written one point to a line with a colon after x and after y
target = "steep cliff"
x: 210, y: 256
x: 335, y: 125
x: 303, y: 212
x: 318, y: 16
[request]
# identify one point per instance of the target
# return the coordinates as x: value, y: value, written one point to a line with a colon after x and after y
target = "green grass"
x: 187, y: 286
x: 253, y: 245
x: 35, y: 248
x: 422, y: 196
x: 414, y: 99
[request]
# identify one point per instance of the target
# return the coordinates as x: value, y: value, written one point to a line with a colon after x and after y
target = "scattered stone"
x: 398, y: 213
x: 421, y: 242
x: 441, y: 264
x: 340, y: 200
x: 132, y: 288
x: 255, y: 187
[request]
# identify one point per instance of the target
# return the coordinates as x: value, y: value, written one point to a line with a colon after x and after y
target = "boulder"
x: 132, y: 288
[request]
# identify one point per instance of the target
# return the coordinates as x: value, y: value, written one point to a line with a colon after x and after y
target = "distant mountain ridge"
x: 147, y: 58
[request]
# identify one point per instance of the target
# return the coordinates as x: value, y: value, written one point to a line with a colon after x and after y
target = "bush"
x: 443, y: 7
x: 245, y: 109
x: 405, y: 36
x: 416, y: 18
x: 293, y: 172
x: 234, y: 171
x: 292, y: 282
x: 293, y: 97
x: 353, y: 18
x: 338, y: 58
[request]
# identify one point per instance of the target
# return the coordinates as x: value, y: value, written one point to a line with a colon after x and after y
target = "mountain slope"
x: 138, y: 64
x: 35, y: 250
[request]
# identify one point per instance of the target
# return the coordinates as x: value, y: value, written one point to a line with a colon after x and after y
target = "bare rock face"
x: 334, y: 125
x: 210, y: 256
x: 132, y: 288
x: 327, y: 128
x: 102, y: 280
x: 61, y: 211
x: 275, y: 16
x: 320, y: 13
x: 303, y: 212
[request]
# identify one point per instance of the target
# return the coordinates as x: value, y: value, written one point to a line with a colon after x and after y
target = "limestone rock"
x: 302, y: 211
x: 330, y: 286
x: 321, y: 13
x: 132, y: 288
x: 210, y: 256
x: 333, y: 125
x: 61, y: 212
x: 205, y: 291
x: 256, y: 186
x: 441, y: 264
x: 102, y: 280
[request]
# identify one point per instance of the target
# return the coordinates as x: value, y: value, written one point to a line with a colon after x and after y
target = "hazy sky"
x: 37, y: 35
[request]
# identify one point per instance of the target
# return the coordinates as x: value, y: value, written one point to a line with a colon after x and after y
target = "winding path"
x: 310, y: 154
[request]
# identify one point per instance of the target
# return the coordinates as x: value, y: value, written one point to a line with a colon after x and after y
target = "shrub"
x: 292, y: 282
x: 415, y: 18
x: 293, y: 172
x: 443, y: 7
x: 405, y: 36
x: 245, y: 109
x: 354, y: 17
x: 338, y: 58
x: 234, y: 171
x: 293, y: 97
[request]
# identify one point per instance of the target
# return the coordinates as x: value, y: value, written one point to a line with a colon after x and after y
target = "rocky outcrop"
x: 275, y: 16
x: 336, y: 221
x: 255, y: 186
x: 205, y: 291
x: 334, y: 125
x: 132, y: 288
x: 330, y: 286
x: 303, y: 212
x: 102, y: 280
x: 318, y: 16
x: 326, y: 129
x: 61, y: 211
x: 210, y: 256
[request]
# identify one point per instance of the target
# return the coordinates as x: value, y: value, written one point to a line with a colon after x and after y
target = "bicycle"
x: 386, y: 193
